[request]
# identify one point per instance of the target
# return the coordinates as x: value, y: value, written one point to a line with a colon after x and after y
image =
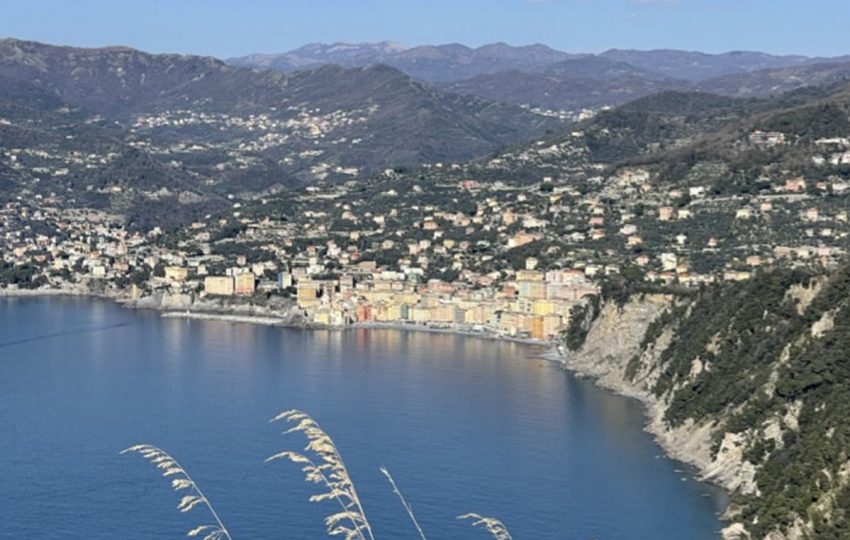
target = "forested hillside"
x: 753, y: 378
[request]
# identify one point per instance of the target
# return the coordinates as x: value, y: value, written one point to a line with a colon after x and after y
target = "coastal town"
x: 614, y: 285
x: 436, y: 247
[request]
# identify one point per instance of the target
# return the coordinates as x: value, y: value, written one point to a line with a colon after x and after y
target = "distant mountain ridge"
x: 542, y: 77
x: 454, y: 62
x: 573, y: 84
x: 778, y: 80
x: 123, y: 83
x: 431, y: 63
x: 699, y: 66
x: 317, y: 54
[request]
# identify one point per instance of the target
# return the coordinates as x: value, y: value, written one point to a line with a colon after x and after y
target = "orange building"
x: 364, y: 313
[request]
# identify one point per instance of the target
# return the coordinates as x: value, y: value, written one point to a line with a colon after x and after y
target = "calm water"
x: 464, y: 425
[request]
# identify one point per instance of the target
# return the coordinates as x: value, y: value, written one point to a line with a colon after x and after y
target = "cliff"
x: 748, y: 382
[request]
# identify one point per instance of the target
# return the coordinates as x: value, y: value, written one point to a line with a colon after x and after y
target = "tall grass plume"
x: 181, y: 481
x: 495, y: 527
x: 322, y: 464
x: 407, y: 507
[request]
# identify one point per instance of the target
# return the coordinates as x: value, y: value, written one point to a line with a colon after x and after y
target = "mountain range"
x: 453, y: 62
x: 205, y: 129
x: 431, y: 63
x: 539, y: 76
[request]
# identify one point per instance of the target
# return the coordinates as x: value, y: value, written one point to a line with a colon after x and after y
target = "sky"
x: 237, y: 27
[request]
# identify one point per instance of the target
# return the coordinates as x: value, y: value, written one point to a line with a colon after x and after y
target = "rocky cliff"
x: 747, y: 382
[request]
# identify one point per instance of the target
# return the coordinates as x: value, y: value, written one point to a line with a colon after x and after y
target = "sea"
x: 464, y: 425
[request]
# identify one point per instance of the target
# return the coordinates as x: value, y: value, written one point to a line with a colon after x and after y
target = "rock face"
x: 614, y: 338
x: 611, y: 351
x: 747, y: 382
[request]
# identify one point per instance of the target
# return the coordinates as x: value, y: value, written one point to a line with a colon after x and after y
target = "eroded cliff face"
x: 614, y: 338
x: 745, y: 382
x: 613, y: 355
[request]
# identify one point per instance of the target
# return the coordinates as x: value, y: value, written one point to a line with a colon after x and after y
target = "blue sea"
x: 464, y: 425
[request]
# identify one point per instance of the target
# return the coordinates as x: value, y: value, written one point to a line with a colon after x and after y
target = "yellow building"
x: 538, y: 328
x: 381, y: 312
x: 374, y: 297
x: 563, y: 309
x: 307, y: 293
x: 477, y: 315
x: 543, y: 307
x: 522, y: 305
x: 323, y: 317
x: 552, y: 324
x: 410, y: 298
x: 444, y: 313
x: 397, y: 312
x: 245, y: 283
x: 529, y: 274
x: 666, y: 213
x: 382, y: 285
x: 429, y: 300
x: 525, y: 322
x: 509, y: 322
x: 218, y: 285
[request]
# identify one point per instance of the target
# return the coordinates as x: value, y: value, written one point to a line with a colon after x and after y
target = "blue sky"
x: 229, y: 28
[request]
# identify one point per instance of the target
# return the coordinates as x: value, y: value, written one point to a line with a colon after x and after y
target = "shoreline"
x: 235, y: 316
x: 412, y: 327
x: 35, y: 293
x: 612, y: 341
x: 403, y: 327
x: 270, y: 320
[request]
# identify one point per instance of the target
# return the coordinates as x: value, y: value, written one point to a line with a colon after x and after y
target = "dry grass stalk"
x: 183, y: 482
x: 330, y: 472
x: 406, y: 506
x: 327, y: 470
x: 495, y: 527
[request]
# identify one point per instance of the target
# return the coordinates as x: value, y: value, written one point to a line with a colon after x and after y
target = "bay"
x: 464, y: 424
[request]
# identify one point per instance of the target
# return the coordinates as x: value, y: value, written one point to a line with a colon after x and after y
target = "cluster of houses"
x: 533, y: 304
x: 512, y: 258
